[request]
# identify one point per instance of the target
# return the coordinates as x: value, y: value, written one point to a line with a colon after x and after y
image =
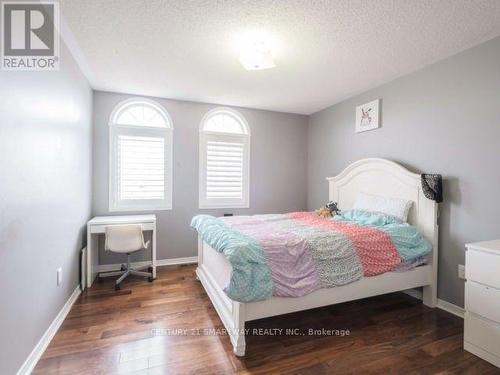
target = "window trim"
x: 114, y: 131
x: 204, y: 135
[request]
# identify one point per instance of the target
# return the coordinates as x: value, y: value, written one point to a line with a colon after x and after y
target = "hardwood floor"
x: 110, y: 332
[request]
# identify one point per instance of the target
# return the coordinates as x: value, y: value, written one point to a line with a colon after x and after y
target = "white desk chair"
x: 126, y: 239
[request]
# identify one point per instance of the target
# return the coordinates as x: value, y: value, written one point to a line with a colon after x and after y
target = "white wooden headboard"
x: 387, y: 178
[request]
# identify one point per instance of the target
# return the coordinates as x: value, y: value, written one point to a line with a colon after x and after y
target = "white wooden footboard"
x: 234, y: 314
x: 231, y: 313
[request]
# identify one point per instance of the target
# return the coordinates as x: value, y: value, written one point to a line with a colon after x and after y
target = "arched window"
x: 224, y: 160
x: 140, y: 158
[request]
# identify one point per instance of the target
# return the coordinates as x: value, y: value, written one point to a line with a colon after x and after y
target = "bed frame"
x: 376, y: 176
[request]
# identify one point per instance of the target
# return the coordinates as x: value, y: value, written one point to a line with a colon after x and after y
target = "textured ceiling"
x: 325, y: 51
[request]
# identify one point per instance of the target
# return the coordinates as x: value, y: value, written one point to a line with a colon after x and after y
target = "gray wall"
x: 45, y: 199
x: 278, y: 168
x: 442, y: 119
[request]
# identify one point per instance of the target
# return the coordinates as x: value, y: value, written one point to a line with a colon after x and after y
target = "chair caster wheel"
x: 117, y: 287
x: 150, y: 269
x: 123, y: 268
x: 150, y: 279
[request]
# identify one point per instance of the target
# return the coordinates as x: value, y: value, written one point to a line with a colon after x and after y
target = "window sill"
x: 218, y: 206
x: 134, y: 209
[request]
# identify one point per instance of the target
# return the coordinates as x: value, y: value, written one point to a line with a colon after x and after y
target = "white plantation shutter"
x: 225, y: 169
x: 140, y: 158
x: 141, y: 167
x: 224, y: 159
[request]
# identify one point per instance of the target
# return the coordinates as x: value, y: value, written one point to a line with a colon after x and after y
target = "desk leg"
x: 153, y: 251
x: 92, y: 257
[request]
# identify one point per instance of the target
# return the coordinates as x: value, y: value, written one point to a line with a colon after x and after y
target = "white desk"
x: 96, y: 226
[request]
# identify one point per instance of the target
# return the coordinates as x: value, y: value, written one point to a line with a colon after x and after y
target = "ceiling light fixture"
x: 255, y: 55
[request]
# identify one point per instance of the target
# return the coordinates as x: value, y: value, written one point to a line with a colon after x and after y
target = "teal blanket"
x: 251, y: 278
x: 407, y: 239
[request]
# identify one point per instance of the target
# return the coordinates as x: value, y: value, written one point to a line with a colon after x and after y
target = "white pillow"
x: 396, y: 207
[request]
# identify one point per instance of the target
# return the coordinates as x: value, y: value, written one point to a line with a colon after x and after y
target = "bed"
x: 374, y: 176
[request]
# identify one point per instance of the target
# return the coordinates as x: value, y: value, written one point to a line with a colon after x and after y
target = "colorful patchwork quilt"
x: 290, y: 255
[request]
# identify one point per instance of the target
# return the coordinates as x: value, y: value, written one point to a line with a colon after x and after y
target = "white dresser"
x: 482, y: 300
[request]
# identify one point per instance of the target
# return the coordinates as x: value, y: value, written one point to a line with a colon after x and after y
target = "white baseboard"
x: 44, y: 342
x: 159, y: 263
x: 174, y: 261
x: 451, y: 308
x: 441, y: 304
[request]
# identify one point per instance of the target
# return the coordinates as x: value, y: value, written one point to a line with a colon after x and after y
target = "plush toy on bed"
x: 330, y: 210
x: 333, y: 207
x: 324, y: 212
